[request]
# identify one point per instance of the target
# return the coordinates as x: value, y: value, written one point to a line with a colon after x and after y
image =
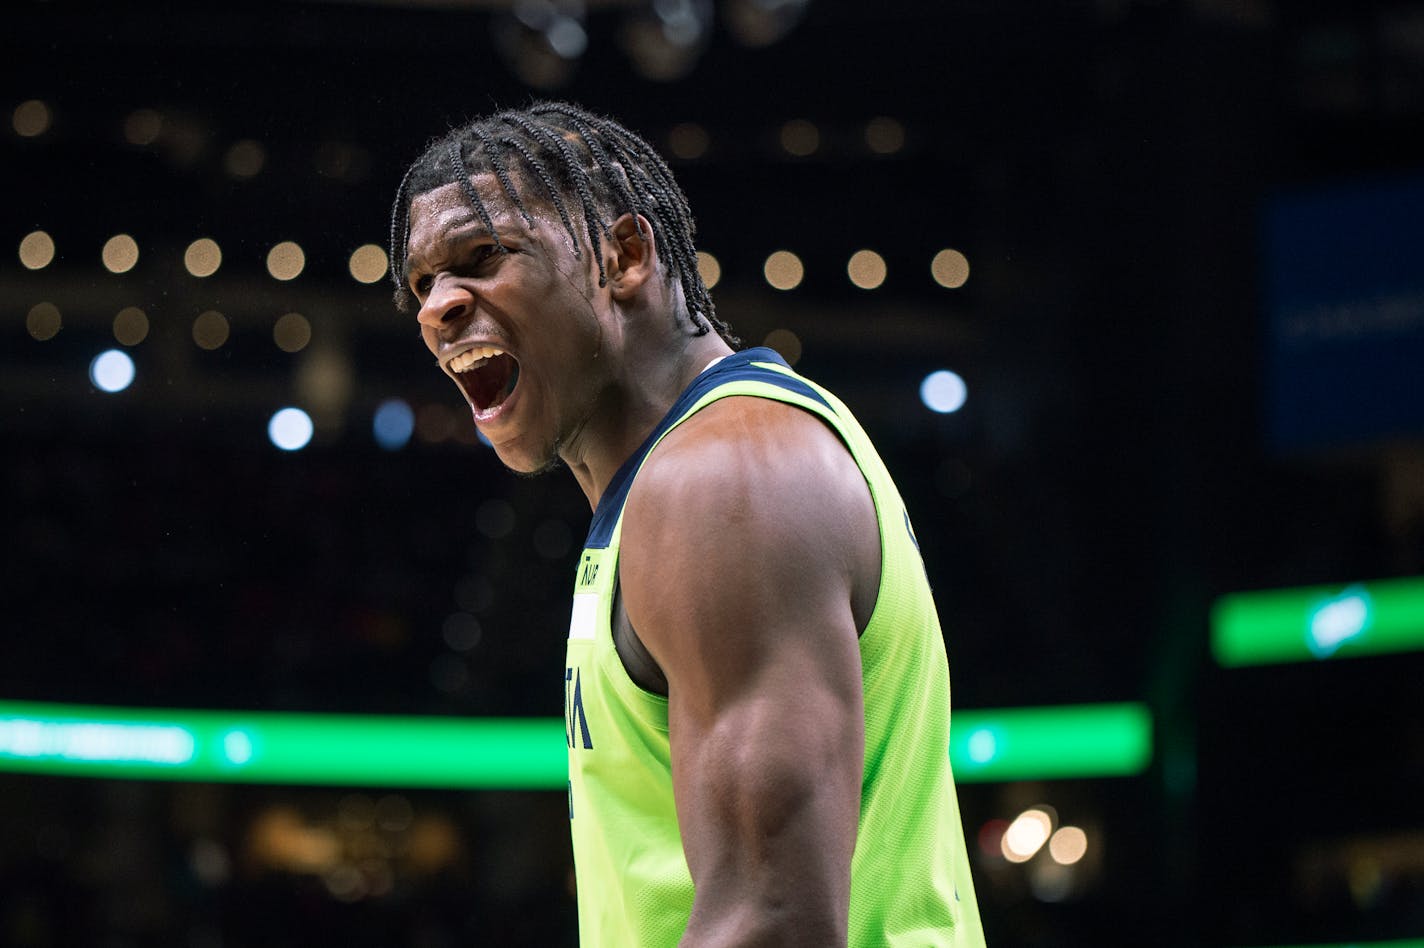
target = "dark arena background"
x: 1130, y: 293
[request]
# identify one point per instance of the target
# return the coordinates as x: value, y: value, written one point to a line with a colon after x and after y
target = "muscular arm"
x: 749, y: 546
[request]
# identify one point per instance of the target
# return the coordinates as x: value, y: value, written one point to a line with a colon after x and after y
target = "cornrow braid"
x: 571, y: 155
x: 549, y: 186
x: 400, y: 232
x: 612, y: 168
x: 656, y: 178
x: 501, y: 171
x: 457, y: 159
x: 574, y: 171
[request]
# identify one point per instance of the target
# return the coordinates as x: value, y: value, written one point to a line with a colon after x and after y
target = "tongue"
x: 492, y: 382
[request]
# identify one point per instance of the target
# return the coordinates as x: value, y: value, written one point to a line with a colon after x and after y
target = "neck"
x: 649, y: 381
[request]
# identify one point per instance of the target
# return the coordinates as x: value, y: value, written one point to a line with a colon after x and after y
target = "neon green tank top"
x: 910, y: 881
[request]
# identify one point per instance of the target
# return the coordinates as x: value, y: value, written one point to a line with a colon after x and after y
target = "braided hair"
x: 565, y: 156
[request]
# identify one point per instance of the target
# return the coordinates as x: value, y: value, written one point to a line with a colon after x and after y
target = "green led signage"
x: 1089, y: 740
x: 1318, y: 622
x: 510, y: 753
x: 271, y: 747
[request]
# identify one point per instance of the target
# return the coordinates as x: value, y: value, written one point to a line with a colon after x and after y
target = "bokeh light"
x: 237, y: 747
x: 991, y: 838
x: 943, y: 392
x: 786, y: 343
x: 461, y: 631
x: 325, y: 378
x: 783, y: 270
x: 1026, y: 835
x: 950, y: 268
x: 983, y: 746
x: 120, y: 253
x: 210, y: 330
x: 43, y: 321
x: 884, y: 135
x: 36, y: 250
x: 290, y: 429
x: 131, y: 326
x: 866, y: 269
x: 286, y: 260
x: 710, y: 268
x: 292, y: 332
x: 112, y: 370
x: 368, y: 263
x: 800, y: 138
x: 31, y: 118
x: 688, y: 141
x: 245, y: 159
x: 142, y: 127
x: 495, y: 518
x: 203, y: 257
x: 393, y: 424
x: 1068, y: 845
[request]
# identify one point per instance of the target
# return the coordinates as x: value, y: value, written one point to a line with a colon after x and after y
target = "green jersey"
x: 910, y: 882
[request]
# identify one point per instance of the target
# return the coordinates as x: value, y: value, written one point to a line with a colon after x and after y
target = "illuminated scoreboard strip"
x: 508, y: 753
x: 1318, y: 622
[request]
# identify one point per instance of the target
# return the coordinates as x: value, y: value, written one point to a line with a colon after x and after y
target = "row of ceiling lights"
x: 782, y: 269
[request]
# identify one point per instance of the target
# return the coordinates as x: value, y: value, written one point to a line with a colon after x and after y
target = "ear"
x: 633, y: 257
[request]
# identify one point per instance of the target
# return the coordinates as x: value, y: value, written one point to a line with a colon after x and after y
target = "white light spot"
x: 237, y: 747
x: 1337, y: 621
x: 112, y: 370
x: 943, y: 392
x: 1026, y: 835
x: 982, y: 746
x: 290, y: 429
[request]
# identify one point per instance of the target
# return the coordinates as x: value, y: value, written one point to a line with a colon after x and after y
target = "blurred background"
x: 1130, y: 294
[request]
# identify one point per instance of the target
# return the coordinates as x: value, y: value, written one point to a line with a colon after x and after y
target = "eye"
x: 483, y: 253
x: 422, y: 285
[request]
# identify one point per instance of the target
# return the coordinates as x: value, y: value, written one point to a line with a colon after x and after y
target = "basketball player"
x: 756, y: 691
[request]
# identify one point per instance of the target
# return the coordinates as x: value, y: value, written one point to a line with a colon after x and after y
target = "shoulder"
x: 751, y: 506
x: 742, y: 457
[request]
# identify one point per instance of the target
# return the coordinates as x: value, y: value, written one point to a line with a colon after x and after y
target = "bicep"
x: 737, y: 581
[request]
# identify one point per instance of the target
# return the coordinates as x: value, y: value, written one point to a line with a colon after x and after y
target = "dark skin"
x: 750, y: 557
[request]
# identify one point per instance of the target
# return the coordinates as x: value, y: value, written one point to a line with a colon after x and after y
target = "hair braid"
x: 578, y: 175
x: 612, y: 167
x: 501, y: 171
x: 400, y: 233
x: 457, y: 158
x: 542, y: 173
x: 572, y: 155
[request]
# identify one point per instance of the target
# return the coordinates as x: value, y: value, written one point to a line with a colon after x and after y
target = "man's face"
x: 520, y: 333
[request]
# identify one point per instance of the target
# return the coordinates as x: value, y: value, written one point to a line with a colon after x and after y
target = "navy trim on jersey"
x: 736, y: 367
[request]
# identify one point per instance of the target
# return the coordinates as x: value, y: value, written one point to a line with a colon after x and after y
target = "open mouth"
x: 487, y: 375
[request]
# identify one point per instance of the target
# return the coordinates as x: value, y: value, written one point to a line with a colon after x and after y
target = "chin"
x: 525, y: 464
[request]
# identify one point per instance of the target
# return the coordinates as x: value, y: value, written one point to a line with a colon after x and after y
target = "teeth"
x: 466, y: 361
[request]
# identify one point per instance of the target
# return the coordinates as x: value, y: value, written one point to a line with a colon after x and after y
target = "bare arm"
x: 747, y: 540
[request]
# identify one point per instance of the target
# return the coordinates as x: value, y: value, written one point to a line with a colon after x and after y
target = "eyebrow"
x: 462, y: 233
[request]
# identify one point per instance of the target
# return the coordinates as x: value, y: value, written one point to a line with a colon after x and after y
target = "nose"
x: 448, y: 304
